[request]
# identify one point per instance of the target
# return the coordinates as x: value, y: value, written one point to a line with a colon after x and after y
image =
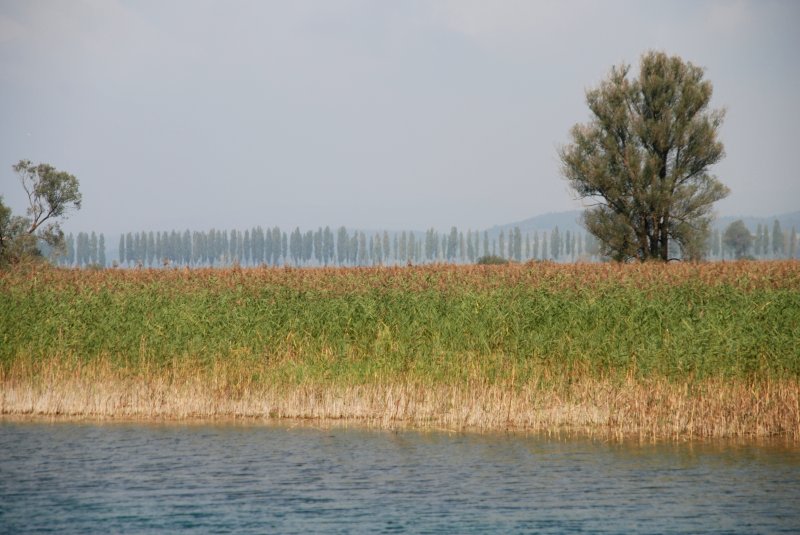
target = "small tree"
x: 644, y: 159
x: 51, y: 194
x: 738, y: 239
x: 555, y: 243
x: 778, y: 239
x: 101, y: 251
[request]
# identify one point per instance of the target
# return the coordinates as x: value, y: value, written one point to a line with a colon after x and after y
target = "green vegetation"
x: 436, y: 324
x: 657, y: 349
x: 491, y: 260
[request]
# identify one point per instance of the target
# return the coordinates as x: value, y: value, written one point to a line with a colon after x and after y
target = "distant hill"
x: 787, y: 221
x: 563, y: 220
x: 571, y: 221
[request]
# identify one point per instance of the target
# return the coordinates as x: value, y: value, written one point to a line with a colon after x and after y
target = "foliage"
x: 5, y: 225
x: 738, y: 239
x: 644, y: 158
x: 51, y: 194
x: 491, y: 260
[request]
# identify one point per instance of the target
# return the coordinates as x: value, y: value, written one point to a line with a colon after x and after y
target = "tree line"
x: 321, y: 247
x: 324, y: 247
x: 738, y: 242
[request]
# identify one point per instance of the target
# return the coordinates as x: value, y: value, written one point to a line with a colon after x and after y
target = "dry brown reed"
x: 745, y: 275
x: 654, y: 408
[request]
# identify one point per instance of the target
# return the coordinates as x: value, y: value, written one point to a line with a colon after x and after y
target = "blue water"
x: 131, y: 478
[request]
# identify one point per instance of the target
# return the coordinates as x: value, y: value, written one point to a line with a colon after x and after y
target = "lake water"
x: 69, y: 477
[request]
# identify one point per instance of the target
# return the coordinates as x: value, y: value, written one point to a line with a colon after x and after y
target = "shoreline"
x: 362, y: 425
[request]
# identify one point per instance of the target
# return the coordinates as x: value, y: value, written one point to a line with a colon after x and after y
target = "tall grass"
x: 529, y: 334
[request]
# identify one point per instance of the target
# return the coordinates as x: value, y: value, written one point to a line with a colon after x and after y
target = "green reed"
x: 433, y: 325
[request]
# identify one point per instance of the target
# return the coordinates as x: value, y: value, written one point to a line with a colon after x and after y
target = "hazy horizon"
x: 368, y: 115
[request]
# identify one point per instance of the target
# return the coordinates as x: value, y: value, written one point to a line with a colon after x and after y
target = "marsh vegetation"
x: 655, y: 349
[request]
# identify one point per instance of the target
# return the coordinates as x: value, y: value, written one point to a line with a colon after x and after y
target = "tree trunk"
x: 645, y: 238
x: 664, y: 239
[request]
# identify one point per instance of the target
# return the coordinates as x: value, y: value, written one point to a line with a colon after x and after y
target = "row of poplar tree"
x: 323, y: 247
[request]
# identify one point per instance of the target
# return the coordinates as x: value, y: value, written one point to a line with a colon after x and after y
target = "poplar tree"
x: 527, y: 246
x: 196, y: 247
x: 151, y: 248
x: 130, y: 248
x: 555, y: 243
x: 327, y: 245
x: 70, y: 249
x: 363, y: 252
x: 353, y: 252
x: 402, y: 247
x: 187, y: 247
x: 342, y: 246
x: 93, y: 248
x: 430, y: 244
x: 296, y: 246
x: 246, y: 247
x: 377, y: 249
x: 275, y: 245
x: 308, y: 246
x: 101, y: 251
x: 451, y: 246
x: 758, y: 241
x: 257, y: 238
x: 777, y: 239
x: 517, y: 242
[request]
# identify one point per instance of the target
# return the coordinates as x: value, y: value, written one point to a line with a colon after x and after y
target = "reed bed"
x: 652, y: 408
x: 678, y: 350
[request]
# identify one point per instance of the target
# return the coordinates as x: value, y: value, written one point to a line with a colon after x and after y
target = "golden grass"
x: 653, y: 408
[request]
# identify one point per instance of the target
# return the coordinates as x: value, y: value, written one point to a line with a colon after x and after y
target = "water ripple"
x: 83, y: 477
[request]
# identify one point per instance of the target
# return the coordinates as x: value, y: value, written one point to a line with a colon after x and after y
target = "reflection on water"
x: 80, y: 477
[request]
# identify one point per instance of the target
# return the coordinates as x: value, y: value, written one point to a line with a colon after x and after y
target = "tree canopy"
x: 738, y: 239
x: 644, y: 157
x: 51, y: 194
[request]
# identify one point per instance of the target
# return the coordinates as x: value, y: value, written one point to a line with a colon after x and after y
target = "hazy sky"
x: 368, y: 114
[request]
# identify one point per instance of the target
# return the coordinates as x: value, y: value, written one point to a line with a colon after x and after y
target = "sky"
x: 369, y: 114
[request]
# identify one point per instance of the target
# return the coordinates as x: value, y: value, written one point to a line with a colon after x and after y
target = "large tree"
x: 51, y: 195
x: 643, y: 159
